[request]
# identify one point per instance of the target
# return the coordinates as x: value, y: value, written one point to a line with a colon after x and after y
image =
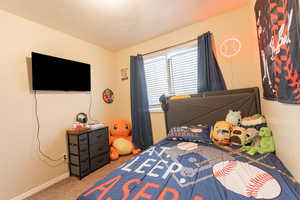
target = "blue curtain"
x: 140, y: 116
x: 210, y: 77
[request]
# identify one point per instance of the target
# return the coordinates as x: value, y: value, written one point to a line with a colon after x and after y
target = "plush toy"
x: 251, y: 135
x: 238, y: 136
x: 120, y: 139
x: 234, y: 117
x: 265, y: 144
x: 252, y: 125
x: 221, y: 132
x: 256, y: 121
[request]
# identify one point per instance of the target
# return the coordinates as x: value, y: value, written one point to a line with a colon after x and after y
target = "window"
x: 174, y: 73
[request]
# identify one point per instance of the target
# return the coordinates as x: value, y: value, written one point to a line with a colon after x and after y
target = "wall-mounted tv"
x: 52, y: 73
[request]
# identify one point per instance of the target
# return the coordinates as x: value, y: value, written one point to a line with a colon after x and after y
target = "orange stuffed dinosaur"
x: 120, y: 139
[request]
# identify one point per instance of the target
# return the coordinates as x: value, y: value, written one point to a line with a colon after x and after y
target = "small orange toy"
x: 120, y: 139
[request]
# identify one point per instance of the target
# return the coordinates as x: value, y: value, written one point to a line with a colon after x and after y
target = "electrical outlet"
x: 65, y: 156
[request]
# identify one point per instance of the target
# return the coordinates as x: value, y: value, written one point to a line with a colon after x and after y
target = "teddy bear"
x: 120, y: 139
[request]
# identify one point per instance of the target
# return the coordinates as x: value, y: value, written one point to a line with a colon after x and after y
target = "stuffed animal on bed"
x: 256, y: 121
x: 252, y: 126
x: 238, y: 136
x: 251, y: 135
x: 234, y: 117
x: 120, y: 139
x: 221, y: 132
x: 264, y: 144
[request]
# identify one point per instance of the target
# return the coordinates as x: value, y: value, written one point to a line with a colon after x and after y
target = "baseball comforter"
x: 172, y: 170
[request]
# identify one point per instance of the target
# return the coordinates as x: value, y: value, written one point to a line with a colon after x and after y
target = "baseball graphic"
x: 247, y: 180
x: 187, y: 146
x: 230, y: 47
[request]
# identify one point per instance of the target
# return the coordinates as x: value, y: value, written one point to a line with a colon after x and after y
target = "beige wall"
x: 240, y: 71
x: 20, y: 168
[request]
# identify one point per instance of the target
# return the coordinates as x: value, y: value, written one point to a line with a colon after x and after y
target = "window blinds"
x: 156, y: 79
x: 172, y: 74
x: 184, y: 73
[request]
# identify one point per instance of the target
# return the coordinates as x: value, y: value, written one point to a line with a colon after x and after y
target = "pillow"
x: 192, y: 133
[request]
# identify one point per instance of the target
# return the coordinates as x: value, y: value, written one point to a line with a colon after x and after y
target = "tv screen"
x: 52, y: 73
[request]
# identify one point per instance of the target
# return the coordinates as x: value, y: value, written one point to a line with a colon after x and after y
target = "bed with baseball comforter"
x: 172, y: 170
x: 196, y: 169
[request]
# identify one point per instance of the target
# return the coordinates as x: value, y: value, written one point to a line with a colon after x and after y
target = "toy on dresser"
x: 120, y: 139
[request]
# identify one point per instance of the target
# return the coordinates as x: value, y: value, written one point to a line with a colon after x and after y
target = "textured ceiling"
x: 116, y: 24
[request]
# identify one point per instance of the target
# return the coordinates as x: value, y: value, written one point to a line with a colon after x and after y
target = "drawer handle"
x: 82, y: 140
x: 83, y: 150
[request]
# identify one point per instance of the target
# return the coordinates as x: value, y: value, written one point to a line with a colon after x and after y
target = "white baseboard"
x: 41, y: 187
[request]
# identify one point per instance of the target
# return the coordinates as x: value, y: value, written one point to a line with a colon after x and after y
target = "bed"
x: 166, y: 171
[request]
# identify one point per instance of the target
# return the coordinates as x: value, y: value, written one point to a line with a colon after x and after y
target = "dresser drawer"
x: 99, y: 161
x: 75, y: 159
x: 82, y: 139
x: 99, y: 136
x: 88, y: 151
x: 97, y: 149
x: 84, y: 168
x: 75, y: 171
x: 83, y: 150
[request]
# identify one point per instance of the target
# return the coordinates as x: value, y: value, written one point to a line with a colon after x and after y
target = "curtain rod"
x: 163, y: 49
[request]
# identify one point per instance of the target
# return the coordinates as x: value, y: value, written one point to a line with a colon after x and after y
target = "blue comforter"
x: 172, y: 170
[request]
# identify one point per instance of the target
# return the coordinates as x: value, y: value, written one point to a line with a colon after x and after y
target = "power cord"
x: 38, y: 130
x: 90, y: 107
x: 38, y: 133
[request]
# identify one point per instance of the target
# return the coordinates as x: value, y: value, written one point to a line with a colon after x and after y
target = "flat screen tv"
x: 52, y: 73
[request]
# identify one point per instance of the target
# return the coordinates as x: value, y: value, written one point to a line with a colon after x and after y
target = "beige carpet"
x: 71, y: 188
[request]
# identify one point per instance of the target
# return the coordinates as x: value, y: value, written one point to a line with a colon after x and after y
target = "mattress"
x: 171, y: 170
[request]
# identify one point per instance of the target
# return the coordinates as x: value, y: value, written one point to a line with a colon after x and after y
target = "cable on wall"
x: 90, y: 107
x: 38, y: 133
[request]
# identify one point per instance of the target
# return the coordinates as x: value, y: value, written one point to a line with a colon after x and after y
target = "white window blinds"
x: 156, y: 78
x: 174, y: 73
x: 184, y: 73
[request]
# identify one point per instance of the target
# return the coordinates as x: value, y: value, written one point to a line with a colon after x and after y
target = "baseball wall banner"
x: 279, y: 42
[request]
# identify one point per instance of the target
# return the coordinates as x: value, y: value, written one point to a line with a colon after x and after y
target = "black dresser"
x: 88, y: 151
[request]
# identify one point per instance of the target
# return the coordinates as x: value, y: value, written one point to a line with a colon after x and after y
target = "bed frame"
x: 209, y: 107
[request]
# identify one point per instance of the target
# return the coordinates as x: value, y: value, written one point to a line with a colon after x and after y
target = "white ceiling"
x: 116, y: 24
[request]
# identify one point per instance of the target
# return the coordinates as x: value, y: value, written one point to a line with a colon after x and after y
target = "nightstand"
x: 88, y: 151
